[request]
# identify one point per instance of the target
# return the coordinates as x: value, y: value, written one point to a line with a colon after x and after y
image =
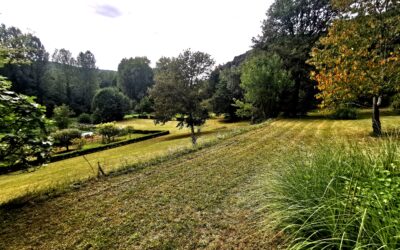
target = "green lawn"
x: 211, y: 198
x: 59, y: 174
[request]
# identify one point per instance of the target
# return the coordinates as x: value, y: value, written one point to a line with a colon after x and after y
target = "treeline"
x: 285, y: 73
x: 288, y: 34
x: 60, y: 78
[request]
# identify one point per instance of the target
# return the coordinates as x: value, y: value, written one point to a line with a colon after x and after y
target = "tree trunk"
x: 376, y: 122
x: 194, y: 139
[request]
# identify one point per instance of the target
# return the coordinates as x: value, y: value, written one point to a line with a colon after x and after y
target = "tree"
x: 135, y: 76
x: 67, y: 65
x: 25, y: 61
x: 145, y: 105
x: 290, y: 30
x: 86, y: 63
x: 23, y: 134
x: 177, y: 89
x: 264, y: 79
x: 108, y: 131
x: 65, y: 137
x: 227, y: 91
x: 62, y: 116
x: 360, y: 56
x: 109, y: 105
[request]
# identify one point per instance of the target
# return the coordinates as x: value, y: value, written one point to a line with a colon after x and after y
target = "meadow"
x: 58, y: 175
x: 218, y: 197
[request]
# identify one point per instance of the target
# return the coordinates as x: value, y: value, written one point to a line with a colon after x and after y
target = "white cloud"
x: 152, y: 28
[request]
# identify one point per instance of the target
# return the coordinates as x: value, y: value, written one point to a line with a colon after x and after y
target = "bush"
x: 84, y: 118
x: 396, y: 103
x: 127, y: 130
x: 340, y: 198
x: 79, y: 142
x: 85, y: 127
x: 109, y: 105
x: 108, y: 131
x: 65, y: 137
x: 344, y: 112
x: 62, y: 116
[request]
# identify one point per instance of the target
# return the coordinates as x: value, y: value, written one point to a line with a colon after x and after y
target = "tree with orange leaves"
x: 360, y: 56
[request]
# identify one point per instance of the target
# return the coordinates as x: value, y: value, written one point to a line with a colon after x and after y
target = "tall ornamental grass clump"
x: 340, y: 197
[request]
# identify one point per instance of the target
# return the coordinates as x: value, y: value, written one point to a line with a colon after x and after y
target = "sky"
x: 117, y: 29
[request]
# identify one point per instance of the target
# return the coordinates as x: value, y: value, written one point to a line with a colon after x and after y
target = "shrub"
x: 109, y: 105
x: 108, y: 131
x: 396, y: 103
x: 85, y: 127
x: 79, y: 142
x: 344, y: 112
x: 84, y: 118
x: 62, y: 116
x: 65, y: 137
x: 127, y: 130
x: 340, y: 198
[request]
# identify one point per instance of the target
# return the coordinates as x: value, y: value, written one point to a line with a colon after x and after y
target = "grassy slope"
x: 210, y: 198
x: 68, y: 171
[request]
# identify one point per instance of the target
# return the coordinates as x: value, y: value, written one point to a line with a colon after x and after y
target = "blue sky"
x: 116, y: 29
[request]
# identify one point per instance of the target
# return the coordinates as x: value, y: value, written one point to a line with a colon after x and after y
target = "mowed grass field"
x: 212, y: 198
x: 63, y: 173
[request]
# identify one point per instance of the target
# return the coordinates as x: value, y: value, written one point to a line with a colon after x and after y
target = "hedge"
x: 151, y: 134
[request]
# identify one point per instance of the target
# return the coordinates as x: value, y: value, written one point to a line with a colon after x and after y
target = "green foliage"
x: 79, y: 142
x: 395, y: 105
x: 108, y: 131
x: 227, y: 90
x: 291, y: 30
x: 62, y: 116
x: 128, y: 130
x: 340, y: 198
x: 88, y: 86
x: 109, y: 105
x: 23, y: 134
x: 24, y: 61
x: 244, y: 109
x: 264, y: 79
x: 65, y: 137
x: 135, y: 76
x: 344, y: 112
x: 85, y: 118
x: 178, y: 89
x: 145, y: 105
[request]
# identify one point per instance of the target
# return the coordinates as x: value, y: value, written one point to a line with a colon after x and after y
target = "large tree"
x: 360, y: 56
x: 290, y: 30
x: 109, y: 105
x: 264, y: 80
x: 27, y: 78
x: 135, y: 76
x: 23, y: 134
x: 227, y: 89
x: 86, y: 63
x: 66, y: 72
x: 178, y: 89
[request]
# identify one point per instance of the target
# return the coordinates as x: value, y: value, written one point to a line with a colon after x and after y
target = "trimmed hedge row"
x: 151, y: 134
